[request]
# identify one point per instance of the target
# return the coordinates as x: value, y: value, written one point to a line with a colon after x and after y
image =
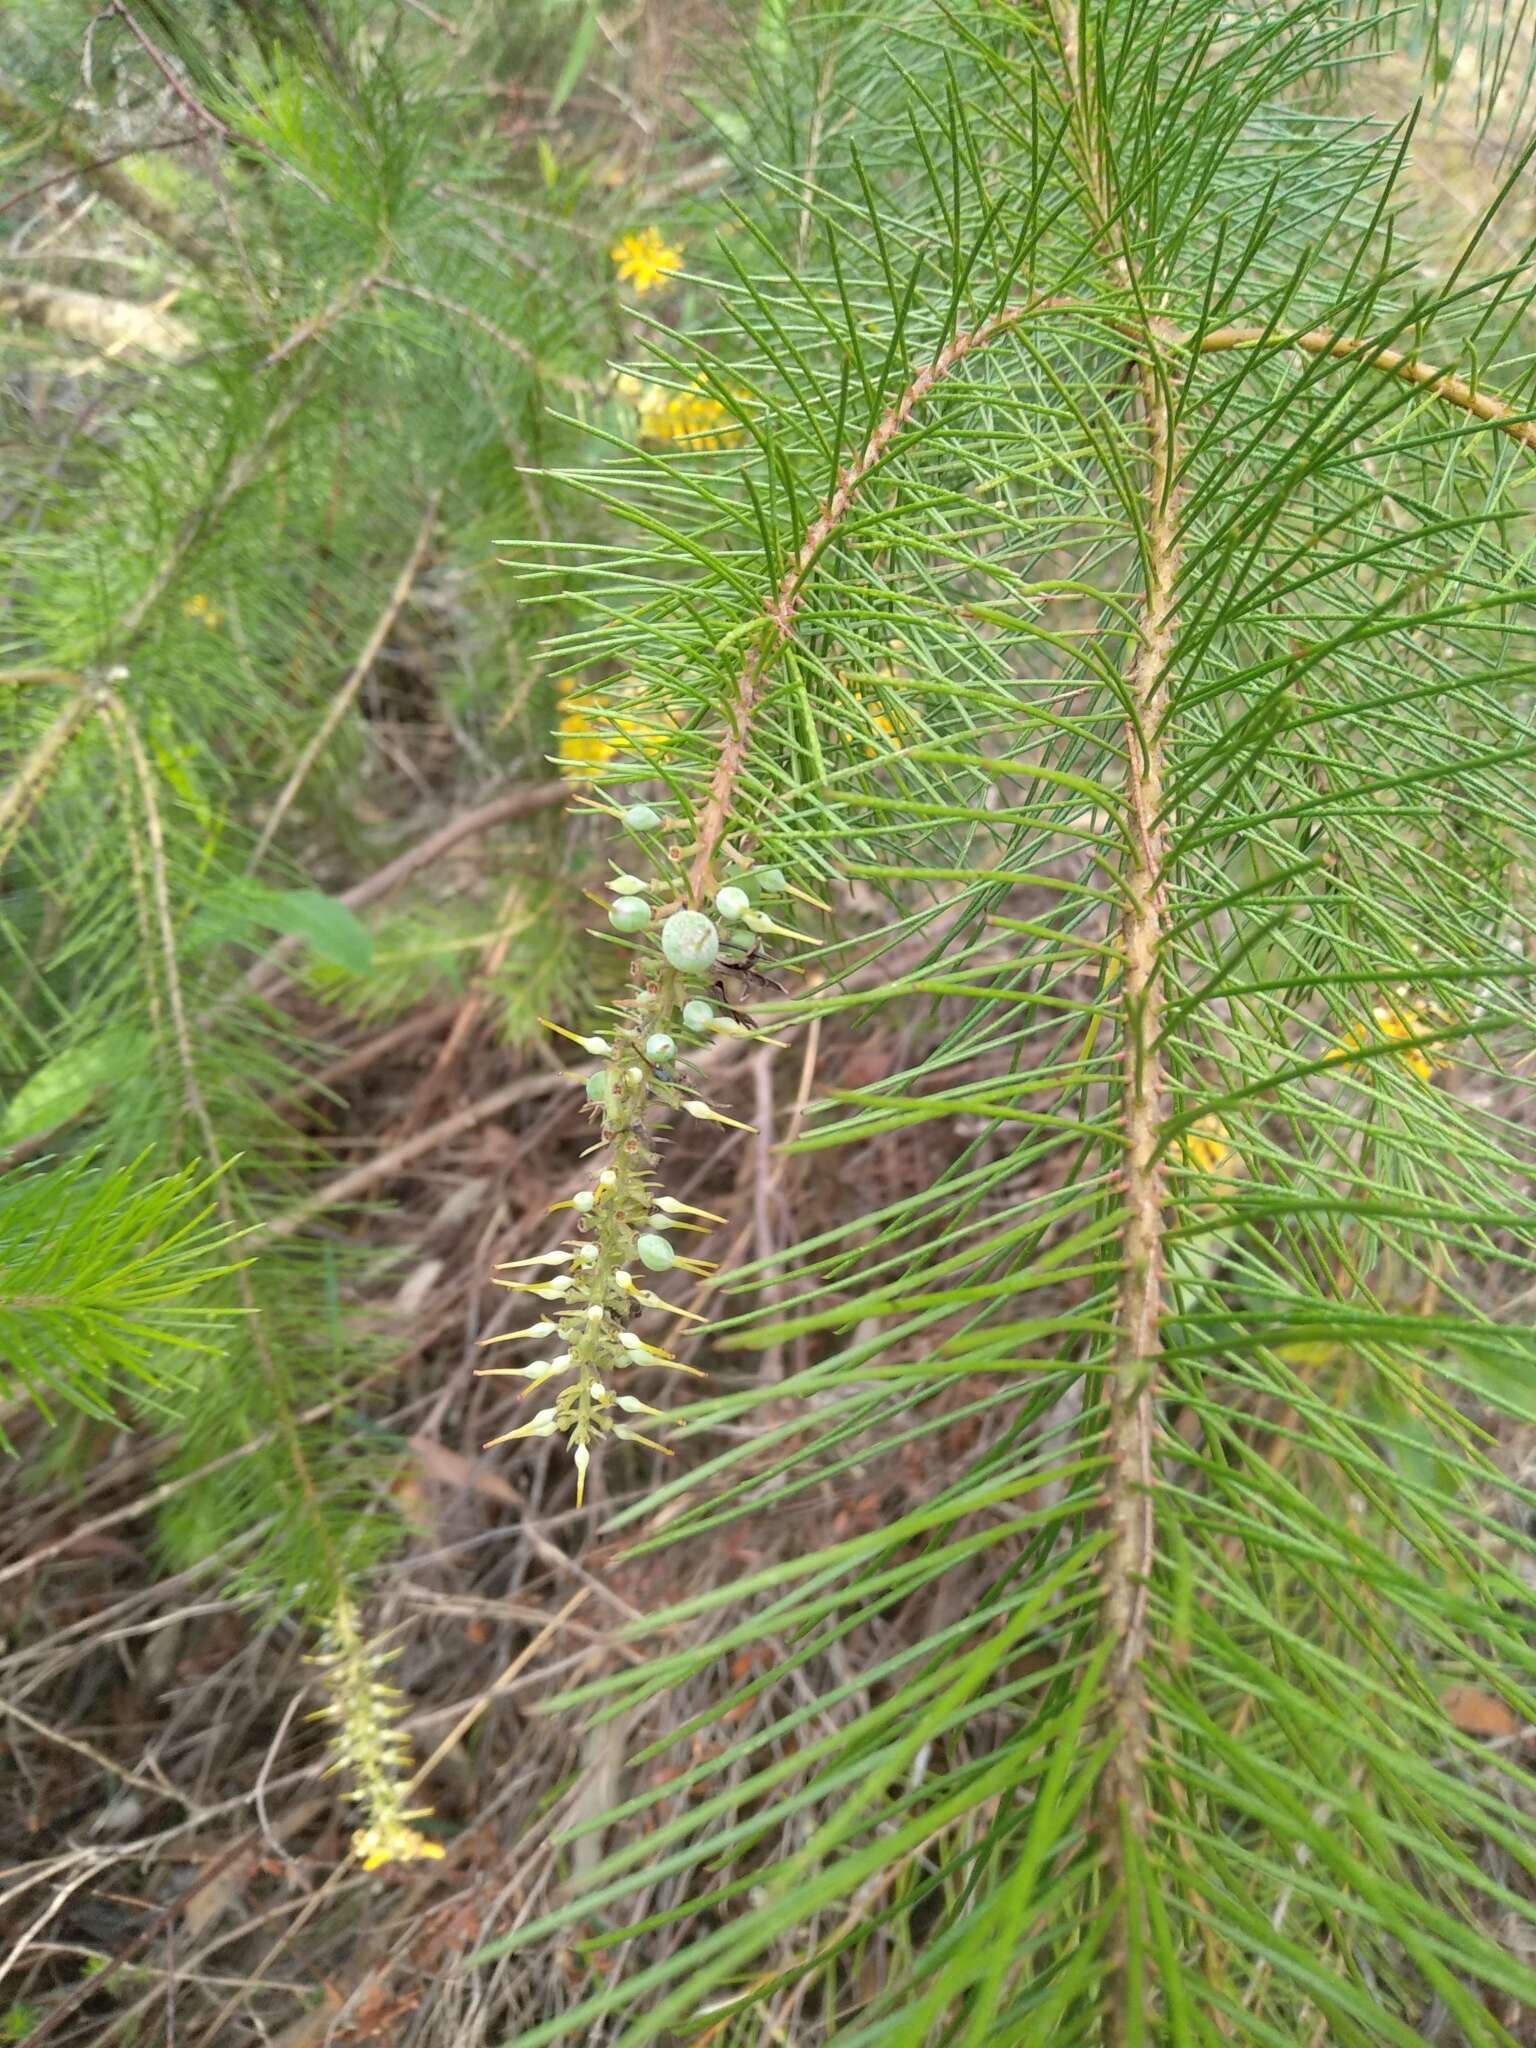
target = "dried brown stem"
x: 352, y: 1186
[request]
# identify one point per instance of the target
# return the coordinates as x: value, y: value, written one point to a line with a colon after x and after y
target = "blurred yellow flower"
x: 1206, y: 1145
x: 590, y: 732
x: 581, y: 743
x: 201, y: 606
x: 645, y: 260
x: 690, y: 416
x: 1395, y: 1021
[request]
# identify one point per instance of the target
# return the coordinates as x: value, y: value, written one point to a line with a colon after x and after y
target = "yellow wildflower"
x: 645, y: 260
x: 1395, y: 1021
x: 201, y: 606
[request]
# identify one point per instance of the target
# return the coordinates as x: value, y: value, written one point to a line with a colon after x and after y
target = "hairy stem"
x: 1133, y: 1384
x: 1129, y: 1503
x: 1444, y: 384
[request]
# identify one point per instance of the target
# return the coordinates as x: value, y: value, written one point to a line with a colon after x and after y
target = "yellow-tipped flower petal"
x: 705, y: 1114
x: 670, y: 1206
x: 529, y: 1330
x: 649, y: 1300
x: 633, y: 1436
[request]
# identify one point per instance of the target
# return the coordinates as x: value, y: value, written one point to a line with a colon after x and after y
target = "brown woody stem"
x: 1131, y: 1436
x: 1129, y: 1505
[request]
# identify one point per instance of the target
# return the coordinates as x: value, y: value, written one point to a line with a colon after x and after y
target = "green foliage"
x: 1195, y: 785
x: 108, y: 1284
x: 225, y: 530
x: 1047, y: 545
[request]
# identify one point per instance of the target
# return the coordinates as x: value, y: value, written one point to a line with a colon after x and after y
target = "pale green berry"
x: 628, y: 885
x: 629, y: 914
x: 696, y: 1014
x: 641, y: 818
x: 655, y: 1252
x: 584, y: 1203
x: 659, y: 1047
x: 597, y: 1087
x: 730, y: 901
x: 690, y: 941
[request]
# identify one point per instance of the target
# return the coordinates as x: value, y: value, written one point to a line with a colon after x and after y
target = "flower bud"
x: 629, y: 914
x: 689, y: 941
x: 628, y: 885
x: 584, y: 1203
x: 641, y: 818
x: 697, y: 1013
x: 732, y: 902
